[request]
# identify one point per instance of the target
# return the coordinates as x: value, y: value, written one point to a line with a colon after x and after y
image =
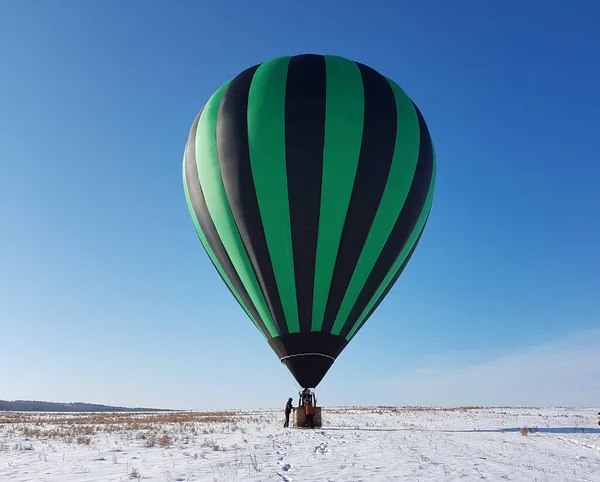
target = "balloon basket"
x: 299, y: 420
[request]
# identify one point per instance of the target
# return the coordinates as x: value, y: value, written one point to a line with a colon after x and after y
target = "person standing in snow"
x: 288, y: 410
x: 310, y: 413
x: 308, y: 400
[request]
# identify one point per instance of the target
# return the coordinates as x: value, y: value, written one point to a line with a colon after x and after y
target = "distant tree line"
x: 38, y: 406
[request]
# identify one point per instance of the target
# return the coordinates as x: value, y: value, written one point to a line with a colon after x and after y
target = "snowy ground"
x: 368, y: 444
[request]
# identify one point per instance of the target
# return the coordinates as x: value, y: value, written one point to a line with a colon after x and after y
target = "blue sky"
x: 107, y: 296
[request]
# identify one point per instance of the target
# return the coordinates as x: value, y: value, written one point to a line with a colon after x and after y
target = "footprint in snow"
x: 284, y: 468
x: 322, y: 448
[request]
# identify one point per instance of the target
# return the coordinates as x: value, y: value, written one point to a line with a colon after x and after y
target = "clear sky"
x: 107, y: 296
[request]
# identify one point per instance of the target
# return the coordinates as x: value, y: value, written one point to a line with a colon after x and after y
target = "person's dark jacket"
x: 288, y: 407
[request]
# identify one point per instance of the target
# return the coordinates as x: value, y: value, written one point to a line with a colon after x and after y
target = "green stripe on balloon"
x: 266, y: 141
x: 398, y: 184
x: 343, y: 135
x: 402, y: 256
x: 213, y: 257
x: 216, y: 200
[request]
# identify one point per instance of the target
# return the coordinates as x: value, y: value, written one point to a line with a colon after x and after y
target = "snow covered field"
x: 368, y: 444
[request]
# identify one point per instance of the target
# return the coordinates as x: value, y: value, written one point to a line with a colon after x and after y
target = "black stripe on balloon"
x: 236, y: 172
x: 305, y: 102
x: 390, y: 285
x: 208, y: 228
x: 403, y: 228
x: 375, y: 160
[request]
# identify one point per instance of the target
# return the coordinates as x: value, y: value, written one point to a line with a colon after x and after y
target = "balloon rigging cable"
x: 305, y: 354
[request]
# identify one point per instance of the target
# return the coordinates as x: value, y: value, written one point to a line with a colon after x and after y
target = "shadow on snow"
x: 559, y: 430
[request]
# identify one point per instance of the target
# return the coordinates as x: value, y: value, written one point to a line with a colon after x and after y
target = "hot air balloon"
x: 309, y: 179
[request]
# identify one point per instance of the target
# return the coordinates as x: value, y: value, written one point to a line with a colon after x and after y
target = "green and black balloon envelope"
x: 309, y: 180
